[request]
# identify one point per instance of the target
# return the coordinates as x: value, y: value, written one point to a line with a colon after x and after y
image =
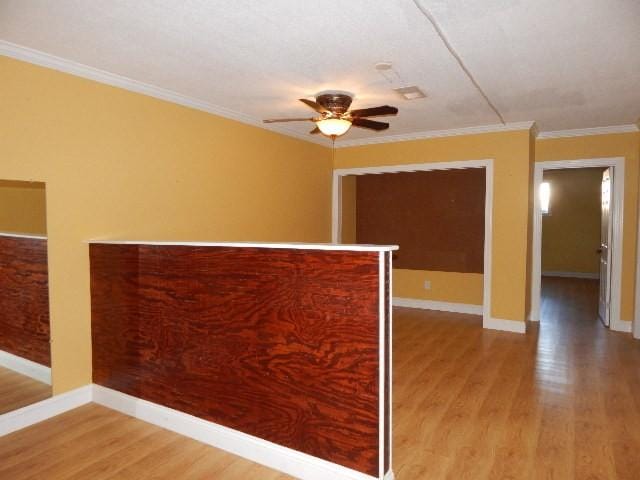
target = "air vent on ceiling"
x: 410, y: 93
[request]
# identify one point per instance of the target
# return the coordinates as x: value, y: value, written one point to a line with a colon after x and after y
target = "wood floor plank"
x: 149, y: 451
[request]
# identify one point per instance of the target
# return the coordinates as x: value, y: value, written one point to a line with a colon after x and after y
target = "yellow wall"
x: 571, y: 233
x: 122, y: 165
x: 445, y: 286
x: 23, y: 207
x: 511, y: 152
x: 625, y: 145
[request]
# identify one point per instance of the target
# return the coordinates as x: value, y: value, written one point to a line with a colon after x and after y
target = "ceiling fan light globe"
x: 334, y: 126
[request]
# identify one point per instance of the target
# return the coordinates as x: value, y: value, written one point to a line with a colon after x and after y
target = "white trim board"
x: 436, y: 305
x: 26, y: 367
x: 587, y: 275
x: 291, y: 462
x: 505, y: 325
x: 41, y: 411
x: 585, y: 132
x: 487, y: 164
x: 23, y: 235
x: 617, y: 219
x: 625, y: 326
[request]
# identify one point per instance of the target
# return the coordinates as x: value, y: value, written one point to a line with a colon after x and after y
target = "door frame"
x: 487, y: 164
x: 636, y: 313
x: 617, y: 219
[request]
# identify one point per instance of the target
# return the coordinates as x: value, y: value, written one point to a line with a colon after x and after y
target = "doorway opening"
x: 579, y: 204
x: 342, y: 232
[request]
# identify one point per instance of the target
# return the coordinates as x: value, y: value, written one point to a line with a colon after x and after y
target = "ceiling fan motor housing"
x: 337, y: 103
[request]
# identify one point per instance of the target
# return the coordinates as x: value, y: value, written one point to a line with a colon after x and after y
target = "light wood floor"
x: 95, y: 443
x: 561, y: 402
x: 18, y: 391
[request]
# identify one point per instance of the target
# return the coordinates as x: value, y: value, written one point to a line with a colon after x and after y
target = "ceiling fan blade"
x: 315, y: 130
x: 275, y: 120
x: 370, y: 124
x: 374, y: 111
x: 316, y: 106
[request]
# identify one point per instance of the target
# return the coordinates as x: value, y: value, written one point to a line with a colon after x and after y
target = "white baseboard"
x: 621, y: 326
x: 593, y: 276
x: 435, y: 305
x: 292, y: 462
x: 505, y: 325
x: 40, y: 411
x: 20, y: 365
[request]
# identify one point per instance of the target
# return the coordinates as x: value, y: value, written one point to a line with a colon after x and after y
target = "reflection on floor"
x: 561, y: 402
x: 18, y: 390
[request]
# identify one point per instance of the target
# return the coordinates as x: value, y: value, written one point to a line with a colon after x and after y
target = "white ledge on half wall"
x: 293, y: 245
x: 23, y: 235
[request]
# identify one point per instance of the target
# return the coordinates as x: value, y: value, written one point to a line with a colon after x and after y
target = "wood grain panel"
x: 281, y: 344
x: 436, y: 217
x: 24, y: 298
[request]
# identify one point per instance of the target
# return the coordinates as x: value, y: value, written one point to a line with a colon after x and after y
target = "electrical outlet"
x: 427, y: 284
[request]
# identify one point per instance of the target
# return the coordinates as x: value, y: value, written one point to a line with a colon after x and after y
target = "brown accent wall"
x: 436, y: 217
x: 24, y: 298
x: 282, y: 344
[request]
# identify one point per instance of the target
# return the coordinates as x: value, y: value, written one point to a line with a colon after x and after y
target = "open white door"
x: 604, y: 300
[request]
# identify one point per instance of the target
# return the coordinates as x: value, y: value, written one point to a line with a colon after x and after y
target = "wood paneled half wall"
x: 24, y: 297
x: 283, y: 342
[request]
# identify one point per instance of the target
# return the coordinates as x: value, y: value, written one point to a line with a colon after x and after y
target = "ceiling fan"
x: 336, y: 119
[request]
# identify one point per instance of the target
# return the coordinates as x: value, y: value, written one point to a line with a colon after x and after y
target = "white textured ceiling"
x: 563, y: 63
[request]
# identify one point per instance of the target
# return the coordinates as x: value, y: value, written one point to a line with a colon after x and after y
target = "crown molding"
x: 403, y: 137
x: 583, y: 132
x: 43, y: 59
x: 535, y: 131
